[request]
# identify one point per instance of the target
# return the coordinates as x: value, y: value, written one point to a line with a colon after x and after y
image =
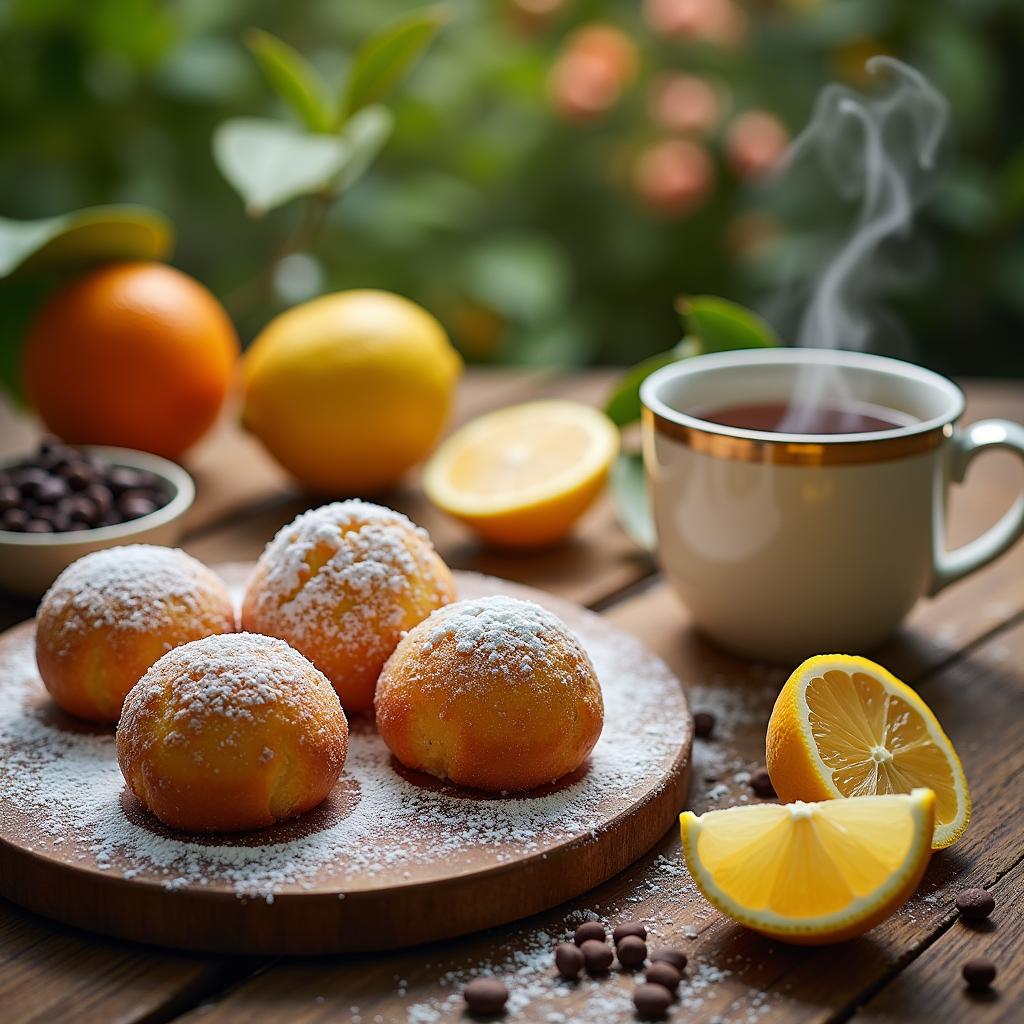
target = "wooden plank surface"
x: 963, y: 650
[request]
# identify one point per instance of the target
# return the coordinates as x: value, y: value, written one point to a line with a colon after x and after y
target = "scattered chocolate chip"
x: 589, y: 930
x: 38, y: 526
x: 568, y: 960
x: 761, y: 783
x: 664, y: 974
x: 703, y: 724
x: 597, y: 956
x: 975, y: 904
x: 651, y: 1001
x: 675, y: 957
x: 631, y: 951
x: 979, y: 973
x: 628, y: 928
x: 485, y: 995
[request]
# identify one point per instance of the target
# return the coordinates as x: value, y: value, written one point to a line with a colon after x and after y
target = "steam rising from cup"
x: 881, y: 150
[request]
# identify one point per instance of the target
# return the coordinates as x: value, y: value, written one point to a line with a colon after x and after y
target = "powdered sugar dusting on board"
x: 60, y: 786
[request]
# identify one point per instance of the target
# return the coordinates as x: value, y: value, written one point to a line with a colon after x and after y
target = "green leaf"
x: 293, y: 78
x: 632, y: 501
x: 719, y: 325
x: 623, y: 405
x: 386, y: 58
x: 364, y: 136
x: 269, y: 162
x: 94, y: 235
x: 20, y: 299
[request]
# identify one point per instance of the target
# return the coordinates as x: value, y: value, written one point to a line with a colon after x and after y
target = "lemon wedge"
x: 522, y: 476
x: 844, y: 726
x: 811, y: 872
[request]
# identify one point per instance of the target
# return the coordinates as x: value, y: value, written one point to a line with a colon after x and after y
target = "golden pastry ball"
x: 113, y: 613
x: 493, y: 693
x: 341, y: 584
x: 231, y: 732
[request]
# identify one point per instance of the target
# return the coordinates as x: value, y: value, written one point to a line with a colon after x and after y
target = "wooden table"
x: 965, y: 651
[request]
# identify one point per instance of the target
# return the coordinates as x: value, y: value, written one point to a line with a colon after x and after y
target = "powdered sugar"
x: 61, y: 784
x: 344, y: 571
x: 130, y: 589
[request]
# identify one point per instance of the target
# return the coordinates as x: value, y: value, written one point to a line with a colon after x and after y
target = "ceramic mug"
x: 788, y: 545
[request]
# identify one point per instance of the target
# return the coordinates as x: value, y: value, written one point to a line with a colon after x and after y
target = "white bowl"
x: 30, y: 562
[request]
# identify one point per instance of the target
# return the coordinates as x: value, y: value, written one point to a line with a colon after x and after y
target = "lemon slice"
x: 811, y: 872
x: 522, y: 476
x: 844, y: 726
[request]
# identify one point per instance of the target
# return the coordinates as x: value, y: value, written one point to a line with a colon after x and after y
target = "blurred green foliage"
x: 541, y: 218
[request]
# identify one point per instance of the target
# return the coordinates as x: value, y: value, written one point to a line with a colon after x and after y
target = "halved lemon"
x: 844, y: 726
x: 811, y: 872
x: 522, y: 476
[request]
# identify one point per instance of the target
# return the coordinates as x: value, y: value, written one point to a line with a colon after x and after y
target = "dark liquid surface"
x: 796, y: 419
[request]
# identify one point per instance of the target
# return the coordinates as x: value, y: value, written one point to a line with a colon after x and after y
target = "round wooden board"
x: 392, y: 858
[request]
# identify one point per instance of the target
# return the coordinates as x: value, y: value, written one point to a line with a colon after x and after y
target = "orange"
x: 137, y: 355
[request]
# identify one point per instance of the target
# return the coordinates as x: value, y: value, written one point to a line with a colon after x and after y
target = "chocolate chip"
x: 10, y: 497
x: 631, y: 951
x: 78, y: 506
x: 761, y: 783
x: 979, y: 973
x: 628, y: 928
x: 78, y: 475
x: 121, y: 479
x: 703, y: 724
x: 51, y: 490
x: 38, y: 526
x: 675, y: 957
x: 664, y: 974
x: 651, y: 1001
x: 589, y: 930
x: 48, y: 513
x: 100, y: 496
x: 15, y: 520
x: 975, y: 904
x: 485, y: 995
x: 135, y: 508
x: 597, y: 956
x: 30, y: 480
x: 568, y: 960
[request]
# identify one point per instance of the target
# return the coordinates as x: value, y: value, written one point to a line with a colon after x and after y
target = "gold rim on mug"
x: 788, y: 452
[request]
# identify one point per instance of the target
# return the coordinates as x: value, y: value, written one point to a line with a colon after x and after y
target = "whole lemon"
x: 350, y: 390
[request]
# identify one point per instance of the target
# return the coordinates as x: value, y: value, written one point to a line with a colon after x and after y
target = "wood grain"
x: 932, y: 987
x: 963, y: 650
x: 735, y: 975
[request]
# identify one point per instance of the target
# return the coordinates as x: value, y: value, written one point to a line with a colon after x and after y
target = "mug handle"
x: 949, y: 566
